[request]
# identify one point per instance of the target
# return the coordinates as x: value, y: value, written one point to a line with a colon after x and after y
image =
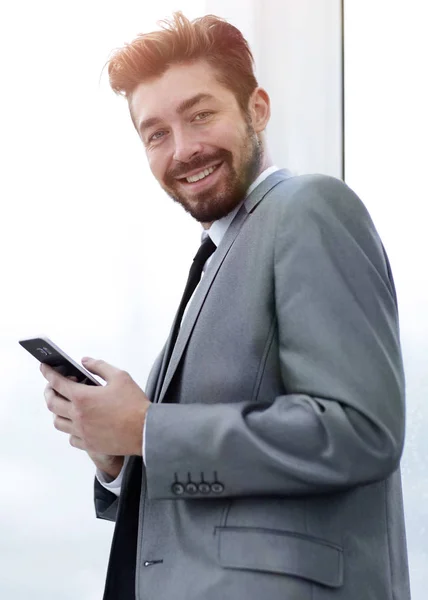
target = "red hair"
x: 207, y: 38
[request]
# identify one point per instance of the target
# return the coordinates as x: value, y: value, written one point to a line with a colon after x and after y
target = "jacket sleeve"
x: 340, y: 423
x: 106, y: 502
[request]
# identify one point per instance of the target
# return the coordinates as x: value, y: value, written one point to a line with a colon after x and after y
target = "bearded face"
x: 202, y: 149
x: 219, y: 183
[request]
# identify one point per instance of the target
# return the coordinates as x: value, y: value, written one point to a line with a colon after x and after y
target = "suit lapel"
x: 207, y: 280
x: 200, y: 295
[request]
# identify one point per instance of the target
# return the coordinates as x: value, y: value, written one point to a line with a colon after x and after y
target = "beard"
x: 209, y: 205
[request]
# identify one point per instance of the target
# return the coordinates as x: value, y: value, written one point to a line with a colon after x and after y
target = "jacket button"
x: 191, y: 488
x: 217, y: 487
x: 204, y: 488
x: 177, y: 489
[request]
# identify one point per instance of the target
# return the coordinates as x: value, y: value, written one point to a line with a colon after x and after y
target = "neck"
x: 267, y: 160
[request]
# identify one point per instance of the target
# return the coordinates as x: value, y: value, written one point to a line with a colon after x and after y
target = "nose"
x: 186, y: 147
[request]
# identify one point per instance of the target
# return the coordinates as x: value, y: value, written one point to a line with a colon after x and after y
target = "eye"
x: 203, y: 115
x: 156, y: 136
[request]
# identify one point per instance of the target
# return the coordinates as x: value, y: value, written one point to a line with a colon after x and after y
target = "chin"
x: 207, y: 210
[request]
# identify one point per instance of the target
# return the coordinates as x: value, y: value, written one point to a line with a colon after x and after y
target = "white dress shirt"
x: 216, y: 233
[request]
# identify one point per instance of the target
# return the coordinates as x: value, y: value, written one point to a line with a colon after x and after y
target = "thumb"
x: 100, y: 367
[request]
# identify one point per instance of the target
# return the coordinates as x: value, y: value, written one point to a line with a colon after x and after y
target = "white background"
x: 95, y: 255
x: 86, y: 241
x: 386, y: 100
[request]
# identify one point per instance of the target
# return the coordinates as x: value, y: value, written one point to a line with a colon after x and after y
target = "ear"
x: 259, y: 109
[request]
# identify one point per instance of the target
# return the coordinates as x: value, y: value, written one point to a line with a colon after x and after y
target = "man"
x: 263, y: 459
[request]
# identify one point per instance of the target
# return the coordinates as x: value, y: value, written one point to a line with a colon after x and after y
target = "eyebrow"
x: 182, y: 107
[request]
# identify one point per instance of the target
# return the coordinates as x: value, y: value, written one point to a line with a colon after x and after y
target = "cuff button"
x: 177, y: 489
x: 217, y: 487
x: 191, y: 488
x: 204, y: 488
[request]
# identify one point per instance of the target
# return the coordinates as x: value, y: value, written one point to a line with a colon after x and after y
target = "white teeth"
x: 200, y: 175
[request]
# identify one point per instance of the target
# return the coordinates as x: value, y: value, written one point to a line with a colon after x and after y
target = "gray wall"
x: 297, y: 50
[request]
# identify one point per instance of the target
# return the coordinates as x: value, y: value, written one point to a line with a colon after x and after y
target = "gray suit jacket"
x: 273, y: 446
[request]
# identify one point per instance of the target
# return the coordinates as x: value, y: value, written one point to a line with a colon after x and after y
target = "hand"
x: 106, y: 421
x: 110, y: 465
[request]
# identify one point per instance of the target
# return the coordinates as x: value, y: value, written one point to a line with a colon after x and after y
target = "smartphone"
x: 47, y: 352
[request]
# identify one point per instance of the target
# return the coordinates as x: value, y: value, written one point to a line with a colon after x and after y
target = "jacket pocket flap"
x: 282, y: 552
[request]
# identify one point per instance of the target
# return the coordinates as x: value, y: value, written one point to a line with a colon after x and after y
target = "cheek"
x: 232, y: 139
x: 225, y: 138
x: 238, y: 152
x: 157, y: 165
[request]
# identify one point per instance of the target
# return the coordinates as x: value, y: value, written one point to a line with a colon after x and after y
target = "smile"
x: 201, y: 174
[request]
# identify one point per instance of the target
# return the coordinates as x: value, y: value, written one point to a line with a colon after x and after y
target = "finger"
x: 77, y: 442
x: 64, y: 425
x: 57, y: 404
x: 58, y: 382
x: 61, y: 369
x: 49, y: 389
x: 100, y: 367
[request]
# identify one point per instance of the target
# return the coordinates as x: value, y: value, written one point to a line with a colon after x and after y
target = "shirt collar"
x: 219, y: 227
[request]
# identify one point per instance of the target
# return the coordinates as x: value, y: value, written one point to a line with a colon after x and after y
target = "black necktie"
x: 205, y: 250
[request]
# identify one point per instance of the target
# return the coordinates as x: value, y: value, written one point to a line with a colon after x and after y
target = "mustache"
x: 199, y: 162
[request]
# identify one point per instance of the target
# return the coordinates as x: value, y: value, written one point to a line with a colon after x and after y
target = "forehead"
x: 160, y: 96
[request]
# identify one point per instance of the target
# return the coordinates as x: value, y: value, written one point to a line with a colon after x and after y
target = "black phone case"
x: 45, y: 353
